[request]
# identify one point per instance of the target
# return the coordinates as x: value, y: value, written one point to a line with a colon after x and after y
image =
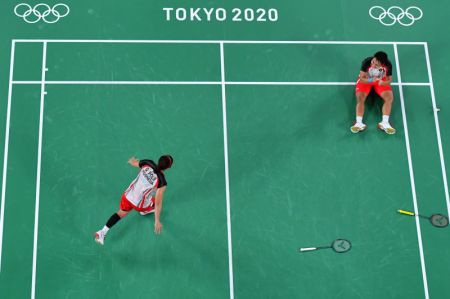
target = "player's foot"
x: 386, y: 127
x: 358, y: 127
x: 147, y: 212
x: 100, y: 237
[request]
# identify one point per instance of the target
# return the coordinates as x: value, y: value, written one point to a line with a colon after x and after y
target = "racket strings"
x: 439, y: 220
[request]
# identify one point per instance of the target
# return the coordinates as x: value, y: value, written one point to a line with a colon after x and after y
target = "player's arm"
x: 158, y: 208
x: 388, y: 80
x: 133, y: 161
x: 363, y: 71
x: 364, y: 77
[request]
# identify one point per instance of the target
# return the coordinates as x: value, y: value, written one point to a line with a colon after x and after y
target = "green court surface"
x: 256, y: 115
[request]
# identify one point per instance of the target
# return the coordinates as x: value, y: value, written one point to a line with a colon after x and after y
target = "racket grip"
x: 307, y: 249
x: 406, y: 212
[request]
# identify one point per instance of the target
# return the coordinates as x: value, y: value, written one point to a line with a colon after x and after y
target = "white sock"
x: 105, y: 229
x: 386, y: 119
x: 359, y: 119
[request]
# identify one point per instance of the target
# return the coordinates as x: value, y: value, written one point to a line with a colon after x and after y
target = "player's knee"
x: 122, y: 213
x: 388, y: 99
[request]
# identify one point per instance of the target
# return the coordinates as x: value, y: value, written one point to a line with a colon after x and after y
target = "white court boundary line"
x: 222, y: 83
x: 5, y: 153
x: 438, y: 130
x: 38, y: 176
x: 205, y: 83
x: 168, y: 41
x: 227, y: 179
x: 411, y: 176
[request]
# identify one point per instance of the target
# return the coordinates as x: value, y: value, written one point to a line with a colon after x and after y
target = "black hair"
x: 165, y: 162
x: 381, y: 57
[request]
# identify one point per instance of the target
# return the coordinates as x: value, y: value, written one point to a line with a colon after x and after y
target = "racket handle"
x: 308, y: 249
x: 406, y: 212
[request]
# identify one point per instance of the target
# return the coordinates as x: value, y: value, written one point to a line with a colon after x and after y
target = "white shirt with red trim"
x: 379, y: 73
x: 143, y: 188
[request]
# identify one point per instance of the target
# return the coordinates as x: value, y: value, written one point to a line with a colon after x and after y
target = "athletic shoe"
x: 358, y: 127
x: 100, y: 237
x: 147, y: 212
x: 386, y: 127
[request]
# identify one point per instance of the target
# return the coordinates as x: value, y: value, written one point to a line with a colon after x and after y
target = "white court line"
x: 227, y: 180
x: 214, y: 42
x: 38, y: 176
x: 411, y: 176
x: 203, y: 83
x: 438, y: 131
x: 412, y: 84
x: 122, y: 82
x: 318, y: 83
x: 5, y: 157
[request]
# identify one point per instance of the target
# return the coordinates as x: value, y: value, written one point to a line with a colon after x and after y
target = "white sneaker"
x: 100, y: 237
x: 148, y: 212
x: 358, y: 127
x: 386, y: 127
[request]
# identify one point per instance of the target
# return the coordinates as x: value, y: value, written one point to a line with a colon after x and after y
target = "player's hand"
x: 383, y: 83
x: 158, y: 227
x: 133, y: 161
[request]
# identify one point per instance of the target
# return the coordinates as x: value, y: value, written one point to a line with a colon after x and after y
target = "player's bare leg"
x: 360, y: 103
x: 388, y: 98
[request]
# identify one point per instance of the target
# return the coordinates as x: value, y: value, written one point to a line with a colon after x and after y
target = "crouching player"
x: 145, y: 194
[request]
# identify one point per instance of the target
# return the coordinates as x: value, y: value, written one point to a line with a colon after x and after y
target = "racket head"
x: 341, y: 245
x: 439, y: 220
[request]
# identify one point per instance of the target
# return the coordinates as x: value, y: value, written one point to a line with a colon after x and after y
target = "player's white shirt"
x: 375, y: 73
x: 143, y: 188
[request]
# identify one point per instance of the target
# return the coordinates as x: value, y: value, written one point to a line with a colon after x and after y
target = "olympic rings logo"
x: 396, y: 14
x: 42, y: 12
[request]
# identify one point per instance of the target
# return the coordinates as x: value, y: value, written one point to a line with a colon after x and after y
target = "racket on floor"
x: 437, y: 220
x: 339, y: 246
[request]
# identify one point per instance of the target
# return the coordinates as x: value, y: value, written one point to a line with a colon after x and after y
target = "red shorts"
x: 363, y: 87
x: 126, y: 205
